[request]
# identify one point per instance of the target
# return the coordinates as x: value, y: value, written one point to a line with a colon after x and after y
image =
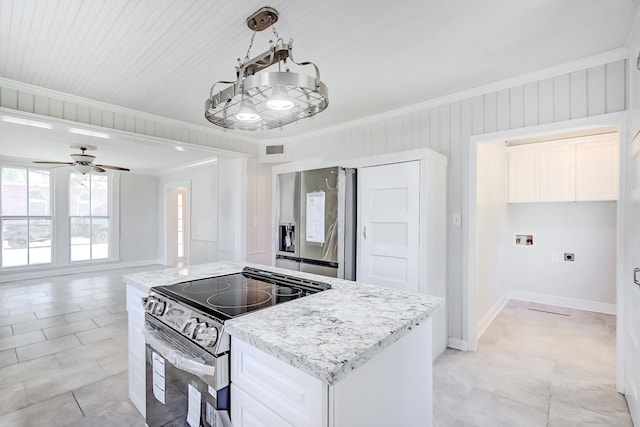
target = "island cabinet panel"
x: 137, y: 373
x: 288, y: 392
x: 394, y: 388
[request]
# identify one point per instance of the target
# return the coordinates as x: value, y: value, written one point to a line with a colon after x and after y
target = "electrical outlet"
x: 569, y: 257
x: 457, y: 220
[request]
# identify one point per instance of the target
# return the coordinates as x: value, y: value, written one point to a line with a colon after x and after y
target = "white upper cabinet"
x: 597, y: 171
x: 580, y: 169
x: 523, y: 170
x: 557, y: 172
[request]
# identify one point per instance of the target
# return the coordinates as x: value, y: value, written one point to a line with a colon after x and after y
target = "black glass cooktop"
x: 232, y: 295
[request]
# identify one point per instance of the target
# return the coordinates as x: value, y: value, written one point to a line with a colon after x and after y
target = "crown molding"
x: 62, y: 96
x: 557, y: 70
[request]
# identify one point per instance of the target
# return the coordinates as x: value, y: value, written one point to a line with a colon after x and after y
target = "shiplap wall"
x: 31, y: 99
x: 588, y: 92
x: 259, y: 212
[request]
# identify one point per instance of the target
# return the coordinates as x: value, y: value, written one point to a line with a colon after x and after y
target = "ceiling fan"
x: 83, y: 162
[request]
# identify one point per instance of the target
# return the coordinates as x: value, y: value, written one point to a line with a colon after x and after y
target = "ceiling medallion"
x: 261, y: 100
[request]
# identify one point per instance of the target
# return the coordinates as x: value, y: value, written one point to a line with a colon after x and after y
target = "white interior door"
x: 632, y: 287
x: 389, y: 230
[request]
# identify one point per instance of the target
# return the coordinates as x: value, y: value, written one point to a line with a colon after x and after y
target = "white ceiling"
x: 161, y: 56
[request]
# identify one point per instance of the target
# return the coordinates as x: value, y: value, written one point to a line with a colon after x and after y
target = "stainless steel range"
x: 187, y: 350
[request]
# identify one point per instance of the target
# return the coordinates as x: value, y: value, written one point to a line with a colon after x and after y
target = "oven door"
x: 186, y: 386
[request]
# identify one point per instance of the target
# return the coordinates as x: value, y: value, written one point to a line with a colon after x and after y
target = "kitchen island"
x: 356, y: 354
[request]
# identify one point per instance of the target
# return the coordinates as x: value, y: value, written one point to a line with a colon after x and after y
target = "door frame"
x: 174, y: 186
x: 470, y: 338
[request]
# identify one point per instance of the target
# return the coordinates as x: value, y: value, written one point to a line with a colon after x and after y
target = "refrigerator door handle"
x: 364, y: 232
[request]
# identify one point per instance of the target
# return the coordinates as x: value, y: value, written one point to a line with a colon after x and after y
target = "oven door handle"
x: 176, y: 357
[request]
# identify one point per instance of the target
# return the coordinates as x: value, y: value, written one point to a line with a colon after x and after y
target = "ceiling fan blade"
x: 52, y: 163
x: 98, y: 169
x: 118, y: 168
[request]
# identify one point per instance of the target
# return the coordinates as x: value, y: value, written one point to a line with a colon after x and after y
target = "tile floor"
x: 63, y: 352
x: 63, y: 361
x: 533, y: 369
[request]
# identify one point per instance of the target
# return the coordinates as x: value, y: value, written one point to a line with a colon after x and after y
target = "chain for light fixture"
x: 260, y: 100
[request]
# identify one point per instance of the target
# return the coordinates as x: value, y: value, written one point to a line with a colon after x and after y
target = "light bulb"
x: 280, y: 99
x: 247, y: 112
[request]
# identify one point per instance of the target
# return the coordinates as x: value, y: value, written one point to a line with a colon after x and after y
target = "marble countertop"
x: 327, y: 334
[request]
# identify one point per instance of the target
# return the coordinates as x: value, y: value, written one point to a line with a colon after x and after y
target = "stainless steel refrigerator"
x: 316, y: 215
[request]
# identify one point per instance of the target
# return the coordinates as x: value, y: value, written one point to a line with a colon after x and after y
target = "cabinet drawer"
x: 295, y: 395
x: 248, y: 412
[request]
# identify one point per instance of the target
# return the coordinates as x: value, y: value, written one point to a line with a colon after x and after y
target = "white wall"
x: 587, y: 229
x: 232, y: 205
x: 259, y: 222
x: 590, y: 88
x: 203, y: 202
x: 492, y: 226
x: 139, y: 218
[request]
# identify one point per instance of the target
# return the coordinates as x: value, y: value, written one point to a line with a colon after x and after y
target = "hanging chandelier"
x: 260, y: 100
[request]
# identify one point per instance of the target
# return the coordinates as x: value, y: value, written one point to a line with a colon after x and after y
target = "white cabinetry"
x: 557, y: 172
x: 288, y: 393
x: 523, y: 170
x: 394, y: 388
x: 597, y: 171
x: 579, y: 169
x: 137, y: 381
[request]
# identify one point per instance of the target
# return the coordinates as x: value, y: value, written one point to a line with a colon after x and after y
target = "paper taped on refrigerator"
x: 315, y: 217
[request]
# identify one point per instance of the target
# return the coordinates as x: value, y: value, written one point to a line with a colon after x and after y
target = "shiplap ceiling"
x: 161, y: 56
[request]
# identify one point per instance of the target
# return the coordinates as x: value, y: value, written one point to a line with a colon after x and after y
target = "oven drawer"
x: 294, y: 395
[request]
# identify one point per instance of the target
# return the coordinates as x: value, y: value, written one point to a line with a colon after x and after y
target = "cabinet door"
x: 289, y: 392
x: 597, y: 171
x: 557, y: 173
x: 248, y: 412
x: 523, y: 175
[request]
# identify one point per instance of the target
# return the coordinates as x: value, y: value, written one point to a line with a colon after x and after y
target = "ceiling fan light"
x: 247, y: 112
x: 280, y: 99
x: 83, y: 169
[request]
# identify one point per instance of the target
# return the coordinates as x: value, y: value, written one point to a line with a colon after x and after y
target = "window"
x: 180, y: 228
x: 89, y: 218
x: 25, y: 206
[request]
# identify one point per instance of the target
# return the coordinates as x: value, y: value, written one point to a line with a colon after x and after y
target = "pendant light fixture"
x: 259, y: 99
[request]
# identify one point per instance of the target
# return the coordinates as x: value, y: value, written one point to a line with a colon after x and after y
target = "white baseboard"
x: 486, y: 320
x: 575, y: 303
x: 61, y: 271
x: 458, y: 344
